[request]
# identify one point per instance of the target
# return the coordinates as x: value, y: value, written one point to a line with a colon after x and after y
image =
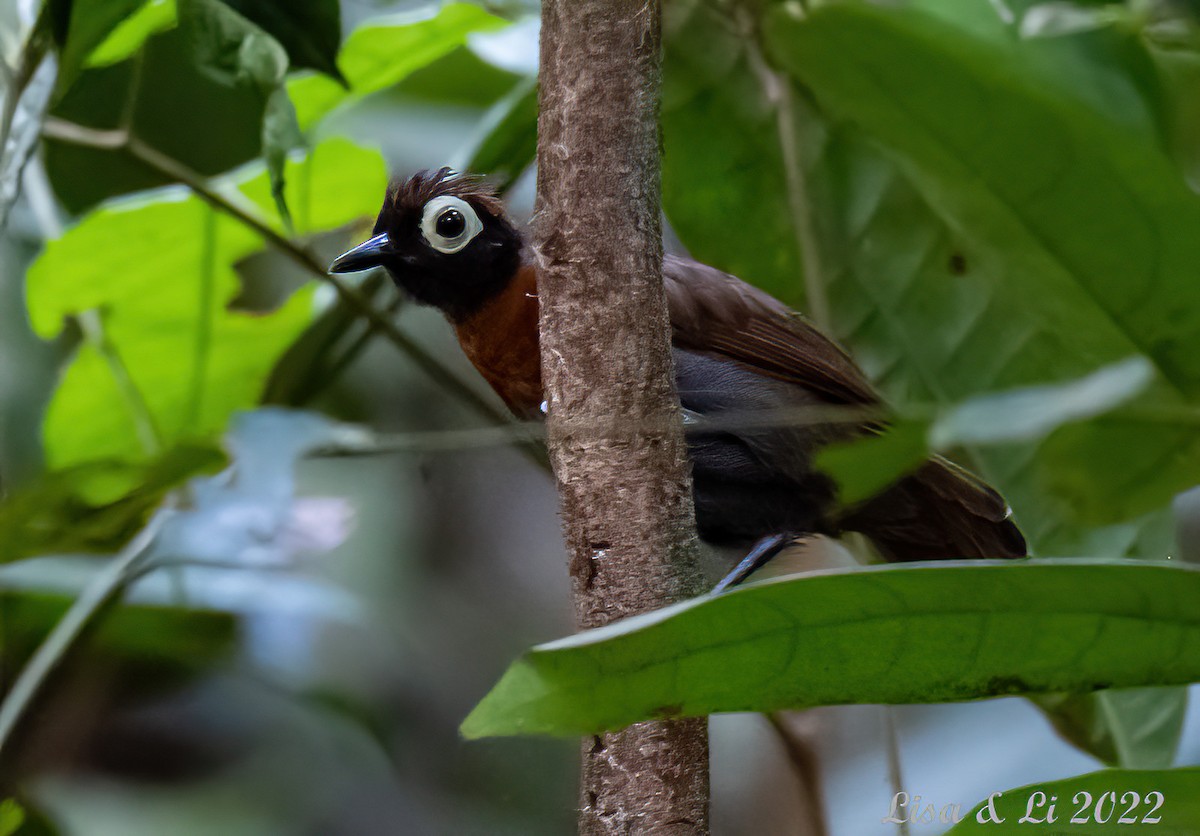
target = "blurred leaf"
x: 726, y: 189
x: 1137, y: 728
x: 232, y: 48
x: 507, y: 141
x: 310, y: 30
x: 172, y: 641
x: 460, y: 77
x: 1111, y: 795
x: 128, y: 36
x: 229, y: 47
x: 161, y: 270
x: 177, y: 109
x: 957, y: 632
x: 96, y: 506
x: 864, y: 467
x: 936, y: 311
x: 381, y: 53
x: 1099, y: 216
x: 1049, y: 20
x: 281, y: 135
x: 250, y: 515
x: 11, y: 816
x: 32, y: 85
x: 1032, y: 412
x: 89, y: 24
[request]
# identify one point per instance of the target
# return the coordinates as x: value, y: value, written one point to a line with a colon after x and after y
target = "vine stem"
x: 102, y: 589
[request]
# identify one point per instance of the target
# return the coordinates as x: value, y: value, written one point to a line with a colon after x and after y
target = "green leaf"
x: 934, y: 96
x: 90, y: 23
x: 97, y: 506
x: 281, y: 136
x: 161, y: 270
x: 238, y: 51
x: 128, y: 36
x: 1098, y: 800
x: 726, y: 188
x: 1137, y: 728
x: 955, y: 631
x: 381, y: 53
x: 186, y: 114
x: 935, y: 297
x: 864, y: 467
x: 1033, y: 412
x: 310, y: 30
x: 11, y: 817
x: 159, y: 645
x: 230, y: 48
x: 507, y: 140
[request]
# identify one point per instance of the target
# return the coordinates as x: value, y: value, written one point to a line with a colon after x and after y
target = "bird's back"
x: 740, y: 352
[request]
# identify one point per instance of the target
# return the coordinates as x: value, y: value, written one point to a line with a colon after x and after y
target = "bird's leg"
x: 763, y: 551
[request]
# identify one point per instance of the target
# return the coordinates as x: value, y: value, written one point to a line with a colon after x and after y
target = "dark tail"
x: 939, y: 512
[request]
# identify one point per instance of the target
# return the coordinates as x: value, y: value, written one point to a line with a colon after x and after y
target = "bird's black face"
x: 444, y: 239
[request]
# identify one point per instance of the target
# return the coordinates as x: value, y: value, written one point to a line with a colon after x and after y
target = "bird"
x: 446, y: 241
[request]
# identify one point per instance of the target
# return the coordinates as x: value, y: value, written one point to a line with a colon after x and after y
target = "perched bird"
x: 445, y: 240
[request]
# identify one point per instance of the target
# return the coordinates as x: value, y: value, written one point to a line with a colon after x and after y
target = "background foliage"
x: 991, y: 203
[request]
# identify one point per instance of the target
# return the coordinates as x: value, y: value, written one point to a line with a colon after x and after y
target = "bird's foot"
x: 765, y: 549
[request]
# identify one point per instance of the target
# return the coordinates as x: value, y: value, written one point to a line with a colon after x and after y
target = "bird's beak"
x: 368, y: 254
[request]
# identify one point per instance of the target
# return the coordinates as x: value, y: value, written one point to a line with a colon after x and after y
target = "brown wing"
x: 716, y: 313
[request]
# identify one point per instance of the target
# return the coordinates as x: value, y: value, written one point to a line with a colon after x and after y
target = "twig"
x: 104, y: 586
x: 804, y: 764
x: 778, y: 89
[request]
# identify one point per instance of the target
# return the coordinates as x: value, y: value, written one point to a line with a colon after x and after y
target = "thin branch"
x: 779, y: 92
x: 103, y: 588
x: 805, y: 766
x: 350, y: 353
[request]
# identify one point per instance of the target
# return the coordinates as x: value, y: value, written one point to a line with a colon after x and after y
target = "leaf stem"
x: 204, y: 324
x: 148, y: 433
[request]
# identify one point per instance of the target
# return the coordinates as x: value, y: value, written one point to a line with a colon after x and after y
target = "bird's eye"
x: 449, y: 223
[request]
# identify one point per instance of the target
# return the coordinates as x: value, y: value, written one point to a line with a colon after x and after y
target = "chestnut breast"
x: 501, y: 341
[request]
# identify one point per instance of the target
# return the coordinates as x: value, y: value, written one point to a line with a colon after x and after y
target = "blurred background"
x: 311, y: 679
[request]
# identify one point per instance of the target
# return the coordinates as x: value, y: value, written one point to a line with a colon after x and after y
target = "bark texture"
x: 615, y: 437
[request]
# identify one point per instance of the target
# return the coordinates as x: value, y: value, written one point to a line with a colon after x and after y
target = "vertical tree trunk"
x: 614, y: 431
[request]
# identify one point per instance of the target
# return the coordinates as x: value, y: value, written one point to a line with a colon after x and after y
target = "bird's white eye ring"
x: 449, y: 223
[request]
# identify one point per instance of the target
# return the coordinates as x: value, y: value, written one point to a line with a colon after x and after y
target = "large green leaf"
x: 1057, y: 208
x: 160, y: 270
x: 381, y: 53
x: 1109, y: 801
x: 172, y: 106
x: 896, y: 634
x: 934, y: 307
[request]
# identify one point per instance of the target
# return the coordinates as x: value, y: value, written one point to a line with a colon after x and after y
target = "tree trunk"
x: 615, y: 437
